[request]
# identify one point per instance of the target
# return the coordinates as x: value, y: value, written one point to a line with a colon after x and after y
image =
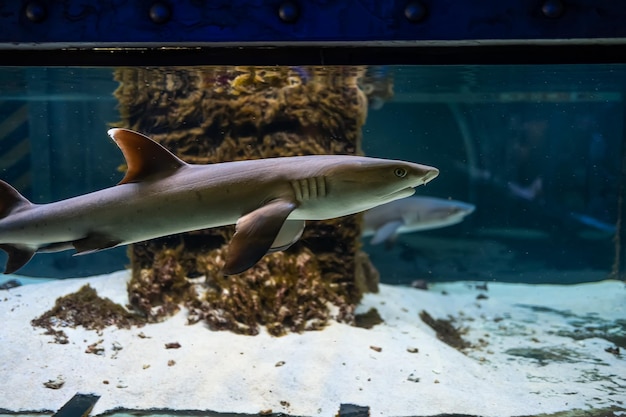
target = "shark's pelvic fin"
x: 255, y: 234
x: 94, y: 242
x: 18, y: 256
x: 145, y: 158
x: 11, y: 200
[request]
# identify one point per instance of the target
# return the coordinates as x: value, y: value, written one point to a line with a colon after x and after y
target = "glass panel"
x: 496, y: 289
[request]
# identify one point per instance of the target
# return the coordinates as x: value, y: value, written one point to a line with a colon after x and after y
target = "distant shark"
x: 268, y: 200
x: 412, y: 214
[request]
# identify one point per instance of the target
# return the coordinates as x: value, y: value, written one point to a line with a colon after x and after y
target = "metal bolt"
x: 160, y: 12
x: 288, y: 12
x: 415, y: 11
x: 553, y: 9
x: 36, y: 12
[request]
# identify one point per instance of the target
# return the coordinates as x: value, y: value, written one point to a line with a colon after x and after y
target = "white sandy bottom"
x: 312, y: 373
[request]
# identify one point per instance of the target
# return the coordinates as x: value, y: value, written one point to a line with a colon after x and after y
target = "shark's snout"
x: 431, y: 174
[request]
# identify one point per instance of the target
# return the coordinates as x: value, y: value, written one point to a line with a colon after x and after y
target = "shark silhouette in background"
x: 412, y: 214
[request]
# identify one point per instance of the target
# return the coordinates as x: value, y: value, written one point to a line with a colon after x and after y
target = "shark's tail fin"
x: 11, y: 200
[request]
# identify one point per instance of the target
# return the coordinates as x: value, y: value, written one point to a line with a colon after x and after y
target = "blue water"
x: 537, y: 149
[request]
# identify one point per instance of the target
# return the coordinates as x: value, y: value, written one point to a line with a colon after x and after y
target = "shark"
x: 268, y: 200
x: 412, y: 214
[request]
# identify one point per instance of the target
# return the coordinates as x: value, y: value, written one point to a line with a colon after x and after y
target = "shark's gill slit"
x: 321, y: 186
x: 304, y: 183
x: 313, y: 187
x: 295, y: 185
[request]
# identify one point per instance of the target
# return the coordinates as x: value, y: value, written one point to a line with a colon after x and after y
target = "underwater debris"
x: 172, y: 345
x: 369, y: 319
x: 96, y: 348
x: 413, y: 378
x: 446, y: 332
x: 116, y: 347
x: 376, y: 348
x: 613, y: 349
x: 171, y: 362
x: 56, y: 383
x: 85, y: 308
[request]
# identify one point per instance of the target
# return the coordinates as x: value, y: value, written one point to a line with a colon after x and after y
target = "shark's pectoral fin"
x: 255, y: 234
x: 18, y: 256
x: 94, y: 242
x: 386, y: 232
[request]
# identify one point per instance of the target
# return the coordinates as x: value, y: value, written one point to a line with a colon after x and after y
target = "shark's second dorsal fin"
x: 145, y: 158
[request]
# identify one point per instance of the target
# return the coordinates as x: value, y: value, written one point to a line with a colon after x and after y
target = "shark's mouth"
x: 403, y: 193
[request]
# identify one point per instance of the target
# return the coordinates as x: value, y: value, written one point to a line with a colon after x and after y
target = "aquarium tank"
x: 419, y: 212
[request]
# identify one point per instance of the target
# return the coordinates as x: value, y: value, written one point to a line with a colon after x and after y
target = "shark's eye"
x: 400, y: 172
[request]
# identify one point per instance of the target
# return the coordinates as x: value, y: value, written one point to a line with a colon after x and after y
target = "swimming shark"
x: 386, y: 221
x: 268, y: 200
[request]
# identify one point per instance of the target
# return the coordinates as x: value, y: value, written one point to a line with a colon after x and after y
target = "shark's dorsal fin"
x: 145, y: 158
x: 11, y: 200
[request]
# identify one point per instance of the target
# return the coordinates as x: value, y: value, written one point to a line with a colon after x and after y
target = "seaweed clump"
x: 446, y: 332
x: 368, y: 319
x: 85, y: 308
x: 286, y: 292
